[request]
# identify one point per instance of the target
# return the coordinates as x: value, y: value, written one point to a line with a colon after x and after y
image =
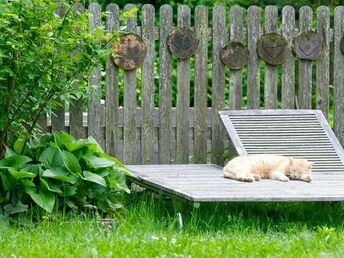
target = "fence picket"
x: 201, y: 83
x: 218, y: 81
x: 305, y: 66
x: 323, y: 64
x: 183, y: 94
x: 288, y: 68
x: 147, y: 91
x: 112, y: 92
x: 271, y: 78
x: 236, y: 34
x: 338, y: 79
x: 253, y: 81
x: 94, y: 128
x: 129, y: 99
x: 165, y: 89
x: 76, y: 106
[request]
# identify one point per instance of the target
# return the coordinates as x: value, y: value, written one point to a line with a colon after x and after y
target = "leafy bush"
x: 47, y: 50
x: 57, y: 172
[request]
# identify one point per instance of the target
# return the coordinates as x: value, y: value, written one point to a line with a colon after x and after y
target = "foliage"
x: 214, y: 230
x: 57, y: 172
x: 46, y: 53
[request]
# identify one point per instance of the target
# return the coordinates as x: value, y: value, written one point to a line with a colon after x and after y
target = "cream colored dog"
x: 251, y: 168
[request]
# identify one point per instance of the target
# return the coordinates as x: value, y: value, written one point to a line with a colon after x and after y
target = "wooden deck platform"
x: 205, y: 183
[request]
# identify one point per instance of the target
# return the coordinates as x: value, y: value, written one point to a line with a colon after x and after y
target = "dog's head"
x: 299, y: 169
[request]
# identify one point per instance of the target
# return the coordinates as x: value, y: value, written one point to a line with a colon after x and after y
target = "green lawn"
x: 150, y: 229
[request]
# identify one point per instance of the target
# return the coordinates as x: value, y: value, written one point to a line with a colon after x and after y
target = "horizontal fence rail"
x: 141, y: 132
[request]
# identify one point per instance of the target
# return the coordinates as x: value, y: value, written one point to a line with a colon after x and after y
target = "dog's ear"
x: 290, y: 161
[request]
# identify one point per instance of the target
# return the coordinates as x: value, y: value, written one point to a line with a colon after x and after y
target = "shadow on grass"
x: 256, y: 216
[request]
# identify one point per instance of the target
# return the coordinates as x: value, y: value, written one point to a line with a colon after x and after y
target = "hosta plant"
x: 57, y: 172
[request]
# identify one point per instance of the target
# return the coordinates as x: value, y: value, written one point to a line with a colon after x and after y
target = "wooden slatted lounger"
x: 295, y: 133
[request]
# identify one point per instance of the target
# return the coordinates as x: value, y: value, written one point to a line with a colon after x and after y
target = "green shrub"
x: 57, y: 172
x: 47, y: 51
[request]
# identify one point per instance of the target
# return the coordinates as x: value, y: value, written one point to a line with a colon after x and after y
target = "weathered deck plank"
x: 205, y: 183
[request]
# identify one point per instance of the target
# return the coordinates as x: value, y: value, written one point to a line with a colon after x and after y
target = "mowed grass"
x: 150, y: 229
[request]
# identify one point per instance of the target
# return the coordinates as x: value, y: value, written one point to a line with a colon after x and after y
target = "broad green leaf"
x: 114, y: 206
x: 69, y: 191
x: 8, y: 182
x: 17, y: 208
x: 92, y: 177
x: 70, y: 162
x: 17, y: 174
x: 60, y: 174
x: 97, y: 162
x: 18, y: 145
x: 44, y: 199
x: 71, y: 204
x: 51, y: 187
x: 63, y: 138
x: 33, y: 168
x: 99, y: 149
x: 52, y: 157
x: 14, y: 161
x: 117, y: 181
x: 9, y: 152
x: 118, y: 163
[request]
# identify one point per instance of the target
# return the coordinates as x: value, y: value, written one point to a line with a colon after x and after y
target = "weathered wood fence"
x: 165, y: 134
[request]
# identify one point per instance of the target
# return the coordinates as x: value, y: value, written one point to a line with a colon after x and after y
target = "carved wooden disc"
x: 234, y: 55
x: 182, y: 43
x: 308, y: 45
x: 130, y: 52
x: 273, y: 48
x: 342, y: 44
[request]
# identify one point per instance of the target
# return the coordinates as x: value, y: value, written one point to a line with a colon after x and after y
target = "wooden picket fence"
x: 146, y: 134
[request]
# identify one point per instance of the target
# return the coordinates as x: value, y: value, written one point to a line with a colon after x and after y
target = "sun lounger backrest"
x: 294, y: 133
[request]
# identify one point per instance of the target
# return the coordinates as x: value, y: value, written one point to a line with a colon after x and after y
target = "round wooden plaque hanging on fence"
x: 182, y: 43
x: 273, y: 48
x: 308, y: 45
x: 234, y: 55
x: 342, y: 44
x: 129, y: 52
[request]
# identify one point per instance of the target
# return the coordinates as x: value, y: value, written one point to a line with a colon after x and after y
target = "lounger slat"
x: 295, y: 133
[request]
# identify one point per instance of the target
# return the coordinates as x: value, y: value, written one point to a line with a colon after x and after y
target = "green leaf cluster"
x: 58, y: 172
x: 47, y: 51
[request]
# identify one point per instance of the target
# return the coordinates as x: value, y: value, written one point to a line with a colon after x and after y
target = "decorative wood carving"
x: 182, y: 43
x: 308, y: 45
x: 130, y: 52
x: 273, y: 48
x: 234, y: 55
